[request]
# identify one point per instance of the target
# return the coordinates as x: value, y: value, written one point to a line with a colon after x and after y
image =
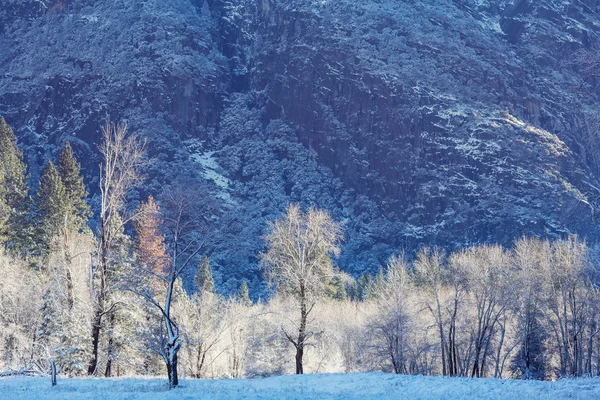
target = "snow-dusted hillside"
x: 335, y: 386
x: 448, y: 122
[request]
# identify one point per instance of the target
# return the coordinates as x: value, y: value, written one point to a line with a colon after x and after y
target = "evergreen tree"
x: 378, y: 283
x: 4, y: 209
x: 62, y: 333
x: 52, y: 206
x: 363, y: 286
x: 244, y: 295
x: 352, y: 290
x: 76, y: 193
x: 204, y: 278
x: 15, y: 230
x: 336, y: 289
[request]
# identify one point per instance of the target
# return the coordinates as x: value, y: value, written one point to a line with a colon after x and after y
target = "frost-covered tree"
x: 528, y: 256
x: 123, y: 156
x: 76, y: 193
x: 62, y: 334
x: 244, y: 294
x: 15, y: 229
x: 392, y: 324
x: 51, y: 207
x: 203, y: 325
x: 182, y: 224
x: 298, y: 261
x: 569, y: 297
x: 431, y: 273
x: 20, y: 301
x: 492, y: 290
x: 204, y: 278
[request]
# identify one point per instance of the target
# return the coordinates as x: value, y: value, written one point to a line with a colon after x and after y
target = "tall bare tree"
x: 299, y: 262
x: 432, y: 274
x: 487, y: 269
x: 392, y: 323
x: 123, y: 157
x: 184, y: 220
x: 567, y: 299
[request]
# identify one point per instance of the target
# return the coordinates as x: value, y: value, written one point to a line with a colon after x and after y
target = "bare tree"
x: 119, y: 172
x: 568, y: 301
x: 392, y: 323
x: 183, y: 223
x: 203, y: 323
x: 298, y: 261
x: 457, y: 286
x: 528, y: 256
x: 432, y: 275
x: 489, y: 282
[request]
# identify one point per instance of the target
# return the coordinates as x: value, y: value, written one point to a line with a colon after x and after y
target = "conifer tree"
x: 363, y: 286
x: 51, y: 206
x: 204, y: 278
x: 378, y: 283
x: 244, y: 295
x: 4, y: 209
x: 336, y: 289
x: 14, y: 199
x: 76, y: 193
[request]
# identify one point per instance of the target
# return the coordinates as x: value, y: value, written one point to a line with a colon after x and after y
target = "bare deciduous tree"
x: 298, y: 261
x: 393, y: 322
x: 432, y: 275
x: 183, y: 222
x: 123, y: 156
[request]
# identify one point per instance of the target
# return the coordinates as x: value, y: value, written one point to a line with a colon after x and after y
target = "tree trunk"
x: 301, y: 332
x: 100, y: 301
x: 440, y: 324
x: 452, y: 356
x: 498, y: 370
x: 108, y: 370
x: 299, y: 355
x: 172, y: 368
x: 95, y: 341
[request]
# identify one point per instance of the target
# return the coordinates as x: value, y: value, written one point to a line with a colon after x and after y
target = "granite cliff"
x: 414, y: 122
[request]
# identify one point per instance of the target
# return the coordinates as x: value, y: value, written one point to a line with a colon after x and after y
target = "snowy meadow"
x: 362, y: 386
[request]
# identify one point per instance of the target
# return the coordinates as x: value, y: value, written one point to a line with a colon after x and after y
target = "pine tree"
x: 378, y: 283
x: 76, y: 193
x: 204, y: 278
x: 244, y: 295
x: 336, y: 289
x: 4, y: 209
x: 15, y: 230
x: 363, y: 286
x: 51, y: 206
x: 62, y: 333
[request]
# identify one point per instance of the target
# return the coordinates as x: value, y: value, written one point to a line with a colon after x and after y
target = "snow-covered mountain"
x: 444, y: 122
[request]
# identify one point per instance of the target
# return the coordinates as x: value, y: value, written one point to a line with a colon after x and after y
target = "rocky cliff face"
x: 414, y: 122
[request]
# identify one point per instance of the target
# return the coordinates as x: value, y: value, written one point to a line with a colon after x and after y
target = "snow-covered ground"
x: 331, y: 386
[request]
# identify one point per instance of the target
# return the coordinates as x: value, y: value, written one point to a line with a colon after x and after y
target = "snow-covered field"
x: 330, y: 386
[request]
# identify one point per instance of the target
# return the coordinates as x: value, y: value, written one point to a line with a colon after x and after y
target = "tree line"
x: 112, y: 302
